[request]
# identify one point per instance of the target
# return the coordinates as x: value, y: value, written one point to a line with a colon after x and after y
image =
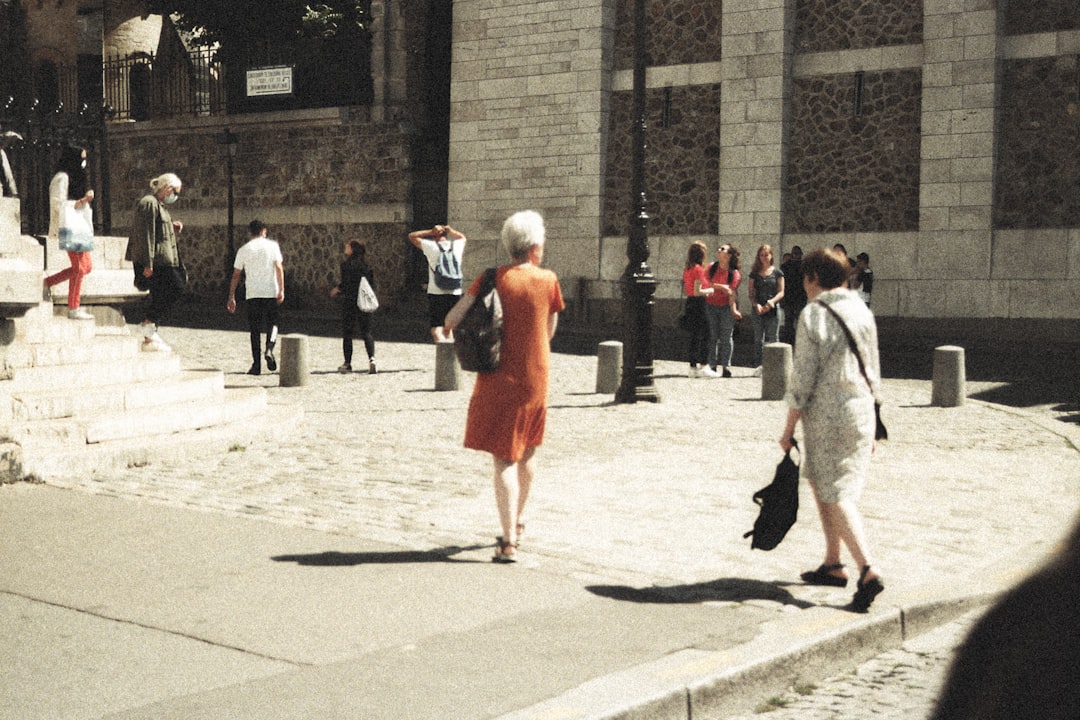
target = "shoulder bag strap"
x: 487, y: 284
x: 851, y: 342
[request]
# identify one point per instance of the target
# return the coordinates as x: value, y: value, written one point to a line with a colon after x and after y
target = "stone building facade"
x: 939, y: 136
x: 317, y: 177
x: 942, y: 137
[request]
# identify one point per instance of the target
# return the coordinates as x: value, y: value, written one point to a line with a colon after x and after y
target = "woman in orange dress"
x: 508, y: 408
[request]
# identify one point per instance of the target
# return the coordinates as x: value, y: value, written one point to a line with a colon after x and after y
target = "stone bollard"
x: 775, y: 370
x: 608, y: 366
x: 293, y: 370
x: 949, y: 379
x: 446, y: 366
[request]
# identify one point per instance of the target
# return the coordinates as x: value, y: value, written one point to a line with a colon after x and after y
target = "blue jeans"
x: 766, y: 330
x: 721, y: 327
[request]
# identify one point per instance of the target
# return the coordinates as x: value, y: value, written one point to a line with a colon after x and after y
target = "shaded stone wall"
x: 1038, y: 173
x: 1029, y: 16
x: 682, y: 161
x: 855, y: 172
x: 824, y: 25
x: 316, y: 184
x: 678, y: 31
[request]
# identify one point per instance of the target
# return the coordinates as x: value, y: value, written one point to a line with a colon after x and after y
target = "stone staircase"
x: 76, y: 399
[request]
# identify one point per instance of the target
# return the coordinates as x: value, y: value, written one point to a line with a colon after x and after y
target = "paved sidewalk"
x: 339, y: 568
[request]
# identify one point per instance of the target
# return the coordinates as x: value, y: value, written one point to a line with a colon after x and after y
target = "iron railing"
x: 141, y: 87
x: 43, y: 132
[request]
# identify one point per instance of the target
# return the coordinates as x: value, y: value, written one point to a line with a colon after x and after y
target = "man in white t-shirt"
x: 260, y: 262
x: 441, y: 291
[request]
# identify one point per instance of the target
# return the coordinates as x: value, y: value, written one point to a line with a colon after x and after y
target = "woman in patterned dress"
x: 835, y: 403
x: 508, y: 408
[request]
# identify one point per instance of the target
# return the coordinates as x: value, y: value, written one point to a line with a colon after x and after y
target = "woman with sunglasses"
x: 722, y: 310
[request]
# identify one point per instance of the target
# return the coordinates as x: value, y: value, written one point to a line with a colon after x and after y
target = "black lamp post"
x: 638, y: 283
x: 228, y: 139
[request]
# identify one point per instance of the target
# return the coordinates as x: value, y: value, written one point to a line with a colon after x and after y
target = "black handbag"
x: 779, y: 503
x: 880, y: 431
x: 478, y: 338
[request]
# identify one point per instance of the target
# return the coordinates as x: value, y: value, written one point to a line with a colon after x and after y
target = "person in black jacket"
x: 354, y: 267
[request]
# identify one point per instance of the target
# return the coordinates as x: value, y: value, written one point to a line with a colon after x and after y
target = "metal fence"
x: 142, y: 86
x: 43, y: 132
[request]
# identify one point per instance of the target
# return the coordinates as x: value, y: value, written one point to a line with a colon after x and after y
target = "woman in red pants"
x: 69, y: 186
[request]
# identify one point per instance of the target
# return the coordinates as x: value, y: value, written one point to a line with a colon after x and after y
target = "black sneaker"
x: 255, y: 370
x: 271, y: 363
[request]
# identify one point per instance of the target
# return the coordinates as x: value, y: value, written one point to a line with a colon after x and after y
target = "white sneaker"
x: 709, y: 373
x: 154, y: 343
x: 757, y: 371
x: 79, y: 314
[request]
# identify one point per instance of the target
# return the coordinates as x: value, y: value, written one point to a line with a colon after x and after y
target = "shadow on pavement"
x: 1063, y: 398
x: 724, y: 589
x: 332, y: 558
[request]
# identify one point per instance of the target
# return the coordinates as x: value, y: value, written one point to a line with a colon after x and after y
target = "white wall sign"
x: 270, y: 81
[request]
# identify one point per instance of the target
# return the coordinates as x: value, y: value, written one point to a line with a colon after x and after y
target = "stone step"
x: 233, y: 404
x: 107, y: 361
x: 104, y: 348
x: 54, y: 403
x: 102, y: 286
x: 41, y: 326
x: 69, y: 463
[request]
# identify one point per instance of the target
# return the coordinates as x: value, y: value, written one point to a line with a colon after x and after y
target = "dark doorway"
x: 431, y: 144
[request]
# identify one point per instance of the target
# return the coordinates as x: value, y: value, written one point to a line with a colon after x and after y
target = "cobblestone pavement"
x: 640, y: 495
x: 901, y: 684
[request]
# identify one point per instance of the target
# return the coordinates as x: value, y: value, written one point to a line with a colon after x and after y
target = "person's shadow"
x: 721, y: 590
x: 333, y: 558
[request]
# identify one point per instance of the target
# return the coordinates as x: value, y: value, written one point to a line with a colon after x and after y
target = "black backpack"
x: 779, y: 502
x: 478, y: 338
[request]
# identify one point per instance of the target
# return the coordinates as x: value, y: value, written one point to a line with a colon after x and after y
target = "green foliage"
x: 254, y: 22
x: 327, y: 43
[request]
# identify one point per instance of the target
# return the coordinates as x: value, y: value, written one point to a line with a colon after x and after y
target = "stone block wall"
x: 1023, y: 18
x: 828, y: 25
x: 528, y: 125
x: 318, y: 178
x: 678, y: 32
x: 683, y: 161
x: 1039, y: 164
x: 854, y: 161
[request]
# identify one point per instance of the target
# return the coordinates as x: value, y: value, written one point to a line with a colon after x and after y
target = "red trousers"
x: 80, y: 266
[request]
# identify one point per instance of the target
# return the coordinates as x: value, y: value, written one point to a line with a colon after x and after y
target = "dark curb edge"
x: 808, y: 647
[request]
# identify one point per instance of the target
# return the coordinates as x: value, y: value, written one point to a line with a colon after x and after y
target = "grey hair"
x: 165, y: 180
x: 521, y: 232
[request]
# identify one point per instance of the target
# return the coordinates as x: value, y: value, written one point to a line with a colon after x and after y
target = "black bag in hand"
x: 478, y: 338
x: 779, y: 501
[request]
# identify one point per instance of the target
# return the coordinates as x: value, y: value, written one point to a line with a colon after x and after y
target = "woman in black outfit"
x: 353, y: 268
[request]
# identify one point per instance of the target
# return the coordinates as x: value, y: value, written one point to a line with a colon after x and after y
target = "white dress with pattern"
x: 836, y: 402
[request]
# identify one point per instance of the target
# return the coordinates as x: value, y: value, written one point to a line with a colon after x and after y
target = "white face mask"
x: 83, y: 164
x: 170, y: 198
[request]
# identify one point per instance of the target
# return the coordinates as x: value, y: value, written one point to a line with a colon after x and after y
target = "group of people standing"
x: 712, y: 306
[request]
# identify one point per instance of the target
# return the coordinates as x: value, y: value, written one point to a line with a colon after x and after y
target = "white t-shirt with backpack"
x: 433, y: 252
